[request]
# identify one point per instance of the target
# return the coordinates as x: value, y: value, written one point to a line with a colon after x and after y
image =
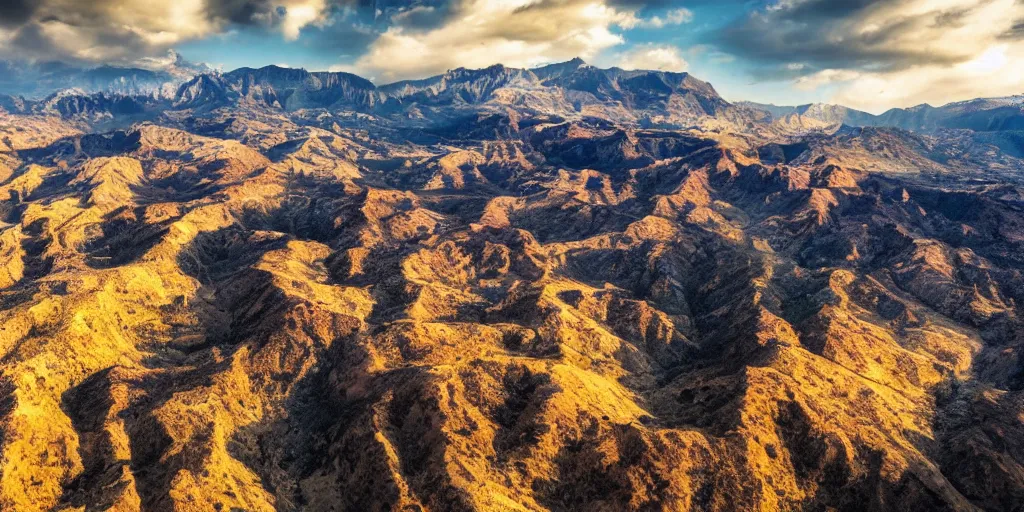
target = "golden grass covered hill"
x: 271, y: 316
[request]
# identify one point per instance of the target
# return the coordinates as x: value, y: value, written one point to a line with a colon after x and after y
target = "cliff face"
x: 243, y: 307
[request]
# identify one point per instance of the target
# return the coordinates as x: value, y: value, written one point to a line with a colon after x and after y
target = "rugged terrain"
x: 555, y: 289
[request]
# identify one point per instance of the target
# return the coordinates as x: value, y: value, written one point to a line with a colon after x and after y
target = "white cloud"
x: 994, y: 72
x: 658, y: 57
x: 129, y: 31
x: 159, y: 23
x: 300, y: 14
x: 673, y: 17
x: 922, y: 51
x: 949, y: 30
x: 825, y: 77
x: 519, y: 33
x: 679, y: 16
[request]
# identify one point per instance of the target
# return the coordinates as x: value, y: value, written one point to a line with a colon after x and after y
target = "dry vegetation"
x: 277, y: 316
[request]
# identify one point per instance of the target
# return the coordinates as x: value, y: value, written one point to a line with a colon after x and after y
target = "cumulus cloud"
x: 823, y: 77
x: 125, y: 31
x: 990, y: 74
x: 878, y: 54
x: 299, y: 15
x: 672, y: 17
x: 871, y: 33
x: 652, y: 56
x: 478, y: 33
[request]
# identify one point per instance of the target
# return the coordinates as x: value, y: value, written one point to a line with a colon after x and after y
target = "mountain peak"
x: 559, y: 68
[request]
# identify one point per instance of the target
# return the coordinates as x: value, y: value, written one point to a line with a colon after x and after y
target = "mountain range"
x: 553, y: 289
x: 645, y: 98
x: 37, y: 80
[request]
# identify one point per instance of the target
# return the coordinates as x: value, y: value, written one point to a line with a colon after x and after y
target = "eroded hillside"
x: 248, y: 310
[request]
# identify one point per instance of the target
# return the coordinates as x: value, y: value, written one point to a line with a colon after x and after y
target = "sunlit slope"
x: 575, y: 318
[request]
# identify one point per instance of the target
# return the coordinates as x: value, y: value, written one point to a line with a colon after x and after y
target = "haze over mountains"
x: 41, y: 79
x: 560, y: 288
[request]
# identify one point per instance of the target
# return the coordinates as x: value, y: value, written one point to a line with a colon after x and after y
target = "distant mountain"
x: 39, y: 80
x: 566, y: 90
x: 983, y: 114
x: 93, y: 108
x: 570, y: 88
x: 458, y: 86
x: 823, y: 112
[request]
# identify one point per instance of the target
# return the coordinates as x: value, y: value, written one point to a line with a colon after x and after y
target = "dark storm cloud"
x: 242, y: 12
x: 262, y: 13
x: 16, y: 12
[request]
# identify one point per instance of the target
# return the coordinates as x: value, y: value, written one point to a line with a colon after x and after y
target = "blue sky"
x: 693, y: 39
x: 869, y: 54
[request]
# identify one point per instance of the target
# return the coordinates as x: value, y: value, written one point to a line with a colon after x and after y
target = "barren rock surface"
x: 246, y: 303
